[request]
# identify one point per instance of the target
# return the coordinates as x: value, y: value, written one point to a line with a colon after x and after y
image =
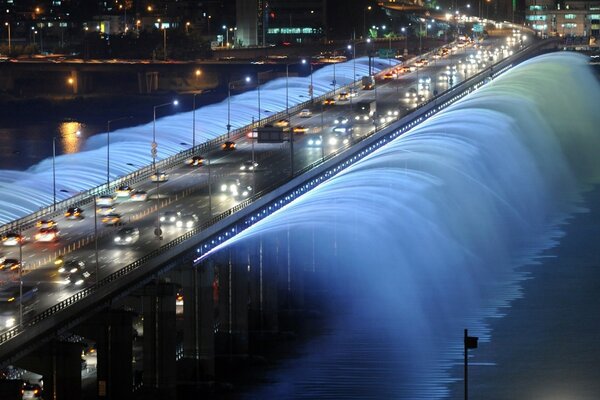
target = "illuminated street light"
x: 9, y: 39
x: 310, y: 88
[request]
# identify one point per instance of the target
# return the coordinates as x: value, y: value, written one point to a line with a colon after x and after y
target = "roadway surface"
x: 187, y: 189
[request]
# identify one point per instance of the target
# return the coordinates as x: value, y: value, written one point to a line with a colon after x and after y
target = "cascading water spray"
x: 426, y: 235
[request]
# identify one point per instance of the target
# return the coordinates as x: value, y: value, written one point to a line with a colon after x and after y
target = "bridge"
x: 102, y: 311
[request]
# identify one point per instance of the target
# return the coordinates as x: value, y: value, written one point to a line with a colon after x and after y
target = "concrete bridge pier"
x: 60, y: 365
x: 112, y: 330
x: 198, y: 322
x: 291, y: 282
x: 263, y: 308
x: 233, y: 302
x: 160, y: 340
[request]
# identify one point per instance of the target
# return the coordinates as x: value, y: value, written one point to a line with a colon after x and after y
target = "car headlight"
x: 162, y: 219
x: 189, y: 224
x: 10, y: 322
x: 128, y: 239
x: 172, y: 219
x: 117, y: 239
x: 179, y: 224
x: 333, y: 140
x: 223, y: 188
x: 79, y: 282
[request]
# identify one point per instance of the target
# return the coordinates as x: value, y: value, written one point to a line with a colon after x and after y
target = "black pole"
x: 466, y: 368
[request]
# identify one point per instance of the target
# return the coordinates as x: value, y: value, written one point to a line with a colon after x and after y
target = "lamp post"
x: 226, y: 35
x: 20, y: 279
x: 403, y: 30
x: 157, y: 231
x: 54, y: 172
x: 334, y: 82
x: 287, y: 75
x: 310, y: 88
x: 228, y: 108
x: 365, y: 20
x: 194, y: 120
x: 9, y: 40
x: 248, y: 79
x: 154, y: 144
x: 108, y: 147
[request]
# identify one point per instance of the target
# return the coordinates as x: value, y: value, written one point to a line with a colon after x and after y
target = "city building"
x: 571, y: 18
x: 261, y: 22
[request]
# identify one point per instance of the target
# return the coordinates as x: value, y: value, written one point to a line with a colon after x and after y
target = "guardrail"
x: 423, y: 111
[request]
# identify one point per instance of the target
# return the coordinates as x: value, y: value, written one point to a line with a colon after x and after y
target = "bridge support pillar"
x: 160, y: 339
x: 263, y: 307
x: 198, y: 321
x: 114, y: 341
x: 60, y: 365
x: 233, y: 302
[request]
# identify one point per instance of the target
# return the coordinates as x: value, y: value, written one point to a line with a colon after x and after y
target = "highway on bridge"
x: 187, y: 189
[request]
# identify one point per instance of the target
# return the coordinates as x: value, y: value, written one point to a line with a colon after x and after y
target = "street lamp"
x: 164, y: 28
x: 194, y: 120
x: 187, y: 26
x: 157, y: 231
x: 226, y: 35
x: 9, y: 40
x: 154, y: 144
x: 248, y: 79
x: 54, y: 172
x: 108, y: 147
x: 403, y: 30
x: 365, y: 20
x: 310, y: 88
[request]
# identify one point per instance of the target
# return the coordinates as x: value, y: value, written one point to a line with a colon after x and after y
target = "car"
x: 138, y: 195
x: 77, y: 278
x: 112, y: 219
x: 335, y: 140
x: 228, y: 145
x: 248, y: 165
x: 168, y: 217
x: 45, y: 223
x: 421, y: 63
x: 300, y: 129
x: 10, y: 264
x: 124, y: 191
x: 329, y: 101
x: 282, y: 123
x: 105, y: 200
x: 315, y: 141
x: 353, y: 93
x: 341, y: 120
x: 388, y: 75
x: 235, y: 188
x: 127, y: 236
x: 159, y: 177
x: 74, y: 213
x: 105, y: 210
x: 305, y: 113
x: 390, y: 115
x: 405, y: 69
x: 345, y: 129
x: 71, y: 266
x: 343, y: 96
x: 186, y: 220
x: 47, y: 235
x: 195, y: 161
x: 31, y: 391
x: 12, y: 239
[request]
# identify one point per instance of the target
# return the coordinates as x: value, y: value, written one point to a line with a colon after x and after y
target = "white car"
x: 105, y: 200
x: 235, y: 188
x: 168, y: 217
x: 315, y: 141
x: 248, y: 165
x: 105, y: 210
x: 127, y: 236
x: 47, y: 235
x: 138, y: 195
x: 159, y: 177
x: 305, y: 113
x: 341, y: 120
x: 124, y: 191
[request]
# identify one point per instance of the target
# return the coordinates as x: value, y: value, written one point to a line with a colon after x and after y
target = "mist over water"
x: 24, y: 192
x: 425, y: 237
